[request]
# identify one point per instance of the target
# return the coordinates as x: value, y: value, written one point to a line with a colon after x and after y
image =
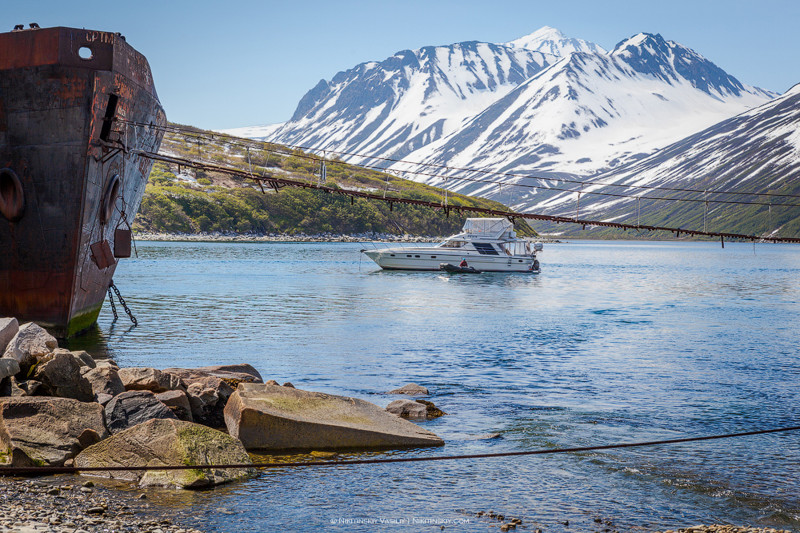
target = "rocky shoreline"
x: 282, y: 237
x: 300, y: 237
x: 61, y: 408
x: 65, y: 409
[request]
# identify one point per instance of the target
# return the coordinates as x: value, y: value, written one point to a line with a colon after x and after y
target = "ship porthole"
x: 12, y: 198
x: 109, y: 199
x: 84, y: 52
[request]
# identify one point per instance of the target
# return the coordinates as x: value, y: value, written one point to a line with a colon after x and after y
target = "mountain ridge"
x: 579, y: 112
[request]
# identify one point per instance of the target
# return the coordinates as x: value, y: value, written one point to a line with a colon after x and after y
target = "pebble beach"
x: 74, y: 505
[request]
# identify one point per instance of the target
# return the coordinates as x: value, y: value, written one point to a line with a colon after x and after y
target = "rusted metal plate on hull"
x: 57, y: 46
x: 52, y: 113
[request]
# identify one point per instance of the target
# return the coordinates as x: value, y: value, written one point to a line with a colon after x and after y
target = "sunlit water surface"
x: 613, y: 342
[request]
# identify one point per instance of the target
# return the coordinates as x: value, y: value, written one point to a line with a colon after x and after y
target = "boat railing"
x: 383, y: 245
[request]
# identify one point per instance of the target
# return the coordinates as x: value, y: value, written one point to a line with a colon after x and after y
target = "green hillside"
x: 185, y: 200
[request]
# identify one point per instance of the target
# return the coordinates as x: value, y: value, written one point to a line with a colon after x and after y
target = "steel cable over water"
x: 278, y: 182
x: 243, y: 141
x: 42, y: 470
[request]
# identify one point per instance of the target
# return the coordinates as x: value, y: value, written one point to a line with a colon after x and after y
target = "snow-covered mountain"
x: 590, y: 112
x: 393, y: 107
x: 543, y: 104
x: 756, y: 151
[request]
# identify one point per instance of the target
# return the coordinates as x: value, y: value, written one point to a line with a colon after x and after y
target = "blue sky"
x: 226, y: 64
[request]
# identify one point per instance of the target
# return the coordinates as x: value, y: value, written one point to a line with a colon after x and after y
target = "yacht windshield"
x: 452, y: 244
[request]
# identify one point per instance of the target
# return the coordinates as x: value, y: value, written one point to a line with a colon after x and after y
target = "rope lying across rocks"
x: 41, y: 470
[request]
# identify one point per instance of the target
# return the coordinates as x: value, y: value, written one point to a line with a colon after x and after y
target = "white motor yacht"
x: 484, y: 244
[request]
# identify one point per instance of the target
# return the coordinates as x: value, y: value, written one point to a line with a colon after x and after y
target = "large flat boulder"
x: 8, y: 328
x: 30, y: 342
x: 60, y: 375
x: 132, y: 408
x: 271, y: 417
x: 152, y: 379
x: 165, y: 443
x: 38, y: 431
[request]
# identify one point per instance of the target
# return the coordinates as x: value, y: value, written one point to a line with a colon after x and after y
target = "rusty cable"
x: 242, y: 141
x: 34, y: 470
x: 438, y: 206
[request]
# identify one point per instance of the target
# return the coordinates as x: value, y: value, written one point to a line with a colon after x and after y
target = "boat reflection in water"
x: 484, y: 244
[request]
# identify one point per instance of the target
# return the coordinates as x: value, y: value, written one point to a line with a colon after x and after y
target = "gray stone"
x: 134, y: 407
x: 270, y: 417
x: 206, y: 407
x: 408, y: 409
x: 47, y: 431
x: 8, y: 328
x: 29, y: 344
x: 8, y: 367
x: 168, y: 442
x: 60, y: 375
x: 81, y: 357
x: 234, y: 374
x: 412, y: 389
x: 152, y: 379
x: 104, y: 380
x: 178, y: 402
x: 103, y: 398
x: 106, y: 362
x: 431, y: 410
x: 210, y: 387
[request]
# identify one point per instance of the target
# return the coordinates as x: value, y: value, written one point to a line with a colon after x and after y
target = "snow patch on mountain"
x: 255, y: 132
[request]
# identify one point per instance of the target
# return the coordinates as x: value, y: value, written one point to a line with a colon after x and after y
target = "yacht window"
x: 485, y: 248
x: 392, y: 255
x: 433, y: 257
x: 453, y: 244
x: 416, y: 256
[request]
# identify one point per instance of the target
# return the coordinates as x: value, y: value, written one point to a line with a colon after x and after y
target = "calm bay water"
x: 612, y: 342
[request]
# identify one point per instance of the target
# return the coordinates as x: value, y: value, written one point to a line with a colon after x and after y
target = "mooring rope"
x: 41, y: 470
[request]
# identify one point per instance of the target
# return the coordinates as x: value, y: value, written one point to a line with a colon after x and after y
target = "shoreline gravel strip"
x: 53, y: 506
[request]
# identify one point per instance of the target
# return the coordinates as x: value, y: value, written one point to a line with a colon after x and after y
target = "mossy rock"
x: 162, y: 442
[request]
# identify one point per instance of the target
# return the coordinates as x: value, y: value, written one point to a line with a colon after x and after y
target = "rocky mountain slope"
x: 757, y: 151
x: 543, y: 103
x: 591, y: 112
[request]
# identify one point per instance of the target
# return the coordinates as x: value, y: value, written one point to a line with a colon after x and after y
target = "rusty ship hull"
x: 76, y: 106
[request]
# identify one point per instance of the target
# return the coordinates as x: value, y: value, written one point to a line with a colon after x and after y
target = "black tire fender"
x: 12, y: 196
x: 110, y: 198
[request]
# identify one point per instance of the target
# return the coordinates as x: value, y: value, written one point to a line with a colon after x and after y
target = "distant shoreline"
x: 281, y: 237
